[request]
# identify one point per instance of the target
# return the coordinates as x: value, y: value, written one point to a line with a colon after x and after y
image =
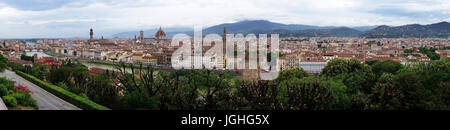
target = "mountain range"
x: 441, y: 30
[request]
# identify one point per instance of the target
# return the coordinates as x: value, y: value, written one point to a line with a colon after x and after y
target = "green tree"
x: 139, y: 100
x: 74, y: 75
x: 291, y: 73
x: 423, y: 85
x: 3, y: 63
x: 39, y: 71
x: 196, y: 90
x: 386, y: 67
x: 102, y: 91
x: 16, y: 66
x: 8, y: 84
x: 304, y: 94
x: 416, y: 96
x: 58, y: 75
x: 430, y: 52
x: 257, y: 95
x: 409, y: 50
x: 341, y: 97
x: 27, y: 58
x: 385, y: 95
x: 356, y: 76
x: 341, y: 66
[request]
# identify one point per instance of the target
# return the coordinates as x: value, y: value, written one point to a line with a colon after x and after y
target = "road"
x: 45, y: 100
x: 2, y: 105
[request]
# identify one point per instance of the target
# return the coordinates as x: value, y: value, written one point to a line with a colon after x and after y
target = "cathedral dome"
x: 160, y: 34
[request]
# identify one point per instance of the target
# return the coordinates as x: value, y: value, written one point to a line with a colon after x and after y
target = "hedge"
x: 70, y: 97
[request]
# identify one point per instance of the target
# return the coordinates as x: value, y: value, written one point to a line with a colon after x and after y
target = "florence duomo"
x: 159, y: 38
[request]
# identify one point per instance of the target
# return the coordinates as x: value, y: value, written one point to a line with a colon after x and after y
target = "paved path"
x: 45, y: 100
x: 2, y: 105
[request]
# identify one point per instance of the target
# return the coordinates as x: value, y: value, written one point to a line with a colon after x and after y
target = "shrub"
x: 139, y: 100
x: 3, y: 90
x: 24, y: 99
x: 3, y: 62
x: 8, y: 84
x: 10, y: 101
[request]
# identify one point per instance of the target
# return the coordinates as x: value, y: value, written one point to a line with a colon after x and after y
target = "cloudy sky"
x: 73, y: 18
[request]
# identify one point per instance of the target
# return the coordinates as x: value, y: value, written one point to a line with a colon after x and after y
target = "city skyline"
x: 68, y: 19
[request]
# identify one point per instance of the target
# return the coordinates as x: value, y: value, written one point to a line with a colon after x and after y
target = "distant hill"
x: 364, y: 28
x: 251, y: 26
x: 335, y: 32
x: 266, y: 27
x: 298, y: 30
x: 441, y: 30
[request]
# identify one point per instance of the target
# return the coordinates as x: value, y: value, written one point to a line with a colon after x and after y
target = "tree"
x: 357, y: 76
x: 312, y: 95
x: 58, y: 75
x: 341, y: 97
x: 139, y: 100
x: 102, y: 91
x: 74, y: 75
x: 409, y: 50
x: 416, y: 96
x: 385, y: 95
x: 27, y: 58
x: 372, y: 62
x: 430, y: 52
x: 6, y: 83
x: 291, y: 73
x: 340, y: 66
x: 3, y: 63
x: 424, y: 85
x: 78, y: 73
x: 16, y: 66
x: 294, y: 94
x: 257, y: 95
x: 196, y: 90
x: 39, y: 71
x: 386, y: 67
x: 443, y: 96
x: 130, y: 81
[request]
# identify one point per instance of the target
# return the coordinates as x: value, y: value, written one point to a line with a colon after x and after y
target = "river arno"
x: 89, y: 65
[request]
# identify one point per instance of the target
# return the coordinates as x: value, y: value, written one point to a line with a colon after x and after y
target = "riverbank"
x: 127, y: 65
x: 115, y: 65
x: 45, y: 52
x: 108, y: 66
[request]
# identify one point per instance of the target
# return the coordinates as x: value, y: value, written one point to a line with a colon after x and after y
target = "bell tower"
x: 141, y: 36
x: 224, y: 38
x: 91, y: 35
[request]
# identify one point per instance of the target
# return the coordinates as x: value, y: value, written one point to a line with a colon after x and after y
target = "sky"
x: 74, y: 18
